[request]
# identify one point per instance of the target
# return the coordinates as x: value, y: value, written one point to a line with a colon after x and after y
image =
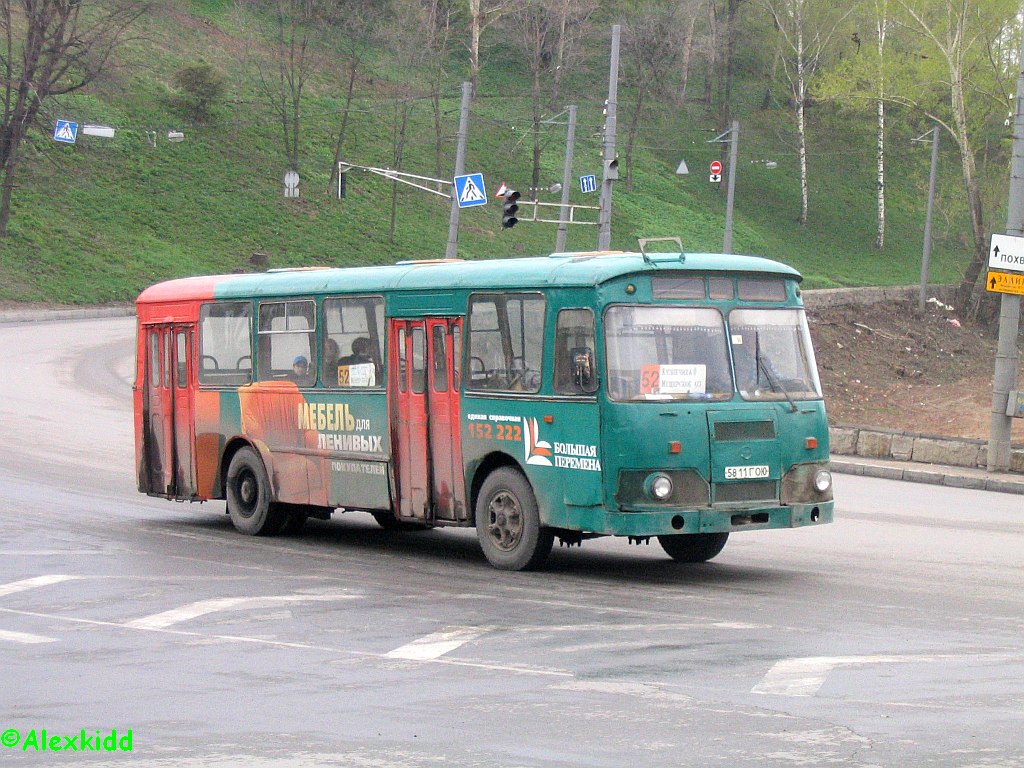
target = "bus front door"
x: 168, y: 443
x: 424, y: 392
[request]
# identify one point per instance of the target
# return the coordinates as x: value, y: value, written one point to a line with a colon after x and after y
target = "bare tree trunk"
x: 399, y: 138
x: 687, y: 53
x: 634, y: 128
x: 556, y: 80
x: 881, y: 20
x: 880, y: 178
x: 801, y: 125
x: 339, y: 145
x: 475, y: 25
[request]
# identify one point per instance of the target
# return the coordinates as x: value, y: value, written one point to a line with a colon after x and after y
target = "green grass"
x: 100, y: 220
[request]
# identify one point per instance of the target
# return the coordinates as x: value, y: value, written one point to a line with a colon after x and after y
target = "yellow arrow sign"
x: 1004, y: 282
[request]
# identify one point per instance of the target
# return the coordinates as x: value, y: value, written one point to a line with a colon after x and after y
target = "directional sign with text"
x: 469, y: 190
x: 1005, y: 282
x: 716, y: 171
x: 1006, y: 254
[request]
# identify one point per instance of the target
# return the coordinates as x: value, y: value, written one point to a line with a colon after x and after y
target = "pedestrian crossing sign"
x: 469, y: 190
x: 65, y: 131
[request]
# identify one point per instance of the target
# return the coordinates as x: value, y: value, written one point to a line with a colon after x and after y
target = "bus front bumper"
x: 664, y: 522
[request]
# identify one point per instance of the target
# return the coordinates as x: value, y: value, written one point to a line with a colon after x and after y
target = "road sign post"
x: 1004, y: 379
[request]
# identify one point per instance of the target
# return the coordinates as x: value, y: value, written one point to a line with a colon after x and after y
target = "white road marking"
x: 47, y: 552
x: 204, y: 607
x: 356, y: 655
x: 437, y: 644
x: 12, y: 587
x: 24, y: 637
x: 804, y: 677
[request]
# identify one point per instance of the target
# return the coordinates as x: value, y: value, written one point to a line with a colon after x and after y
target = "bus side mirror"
x: 583, y: 368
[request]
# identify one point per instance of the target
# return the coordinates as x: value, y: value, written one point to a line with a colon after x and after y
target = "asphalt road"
x: 893, y: 637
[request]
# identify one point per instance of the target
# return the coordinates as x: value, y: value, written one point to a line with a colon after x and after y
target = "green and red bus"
x: 669, y: 396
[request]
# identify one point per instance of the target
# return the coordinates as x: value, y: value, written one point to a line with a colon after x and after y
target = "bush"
x: 201, y: 87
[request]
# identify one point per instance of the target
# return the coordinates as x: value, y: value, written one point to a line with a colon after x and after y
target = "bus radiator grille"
x: 755, y: 490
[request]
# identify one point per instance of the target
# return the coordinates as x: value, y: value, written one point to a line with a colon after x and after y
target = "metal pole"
x: 563, y: 212
x: 610, y: 172
x: 1007, y: 355
x: 452, y: 251
x: 927, y: 254
x: 734, y: 140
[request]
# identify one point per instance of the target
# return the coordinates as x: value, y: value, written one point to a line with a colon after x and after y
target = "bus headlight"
x: 659, y: 486
x: 822, y: 480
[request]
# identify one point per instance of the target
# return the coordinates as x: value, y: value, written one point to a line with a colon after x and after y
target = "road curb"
x: 946, y: 476
x: 43, y: 315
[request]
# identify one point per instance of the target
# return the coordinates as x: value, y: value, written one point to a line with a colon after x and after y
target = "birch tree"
x: 805, y: 29
x: 966, y: 50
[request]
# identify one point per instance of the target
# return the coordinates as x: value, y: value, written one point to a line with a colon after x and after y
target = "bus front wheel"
x: 508, y: 523
x: 248, y: 495
x: 693, y: 547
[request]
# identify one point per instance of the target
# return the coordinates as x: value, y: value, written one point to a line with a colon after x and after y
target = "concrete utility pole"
x: 452, y: 251
x: 926, y: 255
x: 611, y: 166
x: 734, y: 140
x: 1007, y: 354
x: 563, y: 213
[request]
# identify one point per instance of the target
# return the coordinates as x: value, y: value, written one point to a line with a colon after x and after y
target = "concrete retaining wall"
x: 910, y: 446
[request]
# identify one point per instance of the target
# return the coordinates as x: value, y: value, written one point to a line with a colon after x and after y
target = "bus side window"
x: 225, y: 343
x: 575, y: 363
x: 353, y: 342
x: 287, y: 332
x: 506, y: 341
x: 440, y: 359
x: 419, y: 359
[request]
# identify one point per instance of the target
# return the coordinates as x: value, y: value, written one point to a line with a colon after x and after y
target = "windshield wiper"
x: 776, y: 386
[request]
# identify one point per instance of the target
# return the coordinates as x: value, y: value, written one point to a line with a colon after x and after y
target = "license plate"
x: 746, y: 473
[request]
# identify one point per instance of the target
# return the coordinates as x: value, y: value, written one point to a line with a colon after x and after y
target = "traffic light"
x: 509, y: 209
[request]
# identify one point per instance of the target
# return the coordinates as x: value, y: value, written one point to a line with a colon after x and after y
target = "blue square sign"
x: 65, y: 131
x: 469, y: 190
x: 588, y: 183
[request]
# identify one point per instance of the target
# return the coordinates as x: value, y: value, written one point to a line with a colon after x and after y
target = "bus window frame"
x: 250, y: 317
x: 374, y: 330
x: 262, y: 345
x: 505, y: 332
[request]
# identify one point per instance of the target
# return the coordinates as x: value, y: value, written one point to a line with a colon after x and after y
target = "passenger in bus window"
x: 300, y: 369
x: 332, y: 352
x: 360, y: 366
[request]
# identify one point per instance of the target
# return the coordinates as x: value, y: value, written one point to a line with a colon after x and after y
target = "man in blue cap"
x: 300, y: 368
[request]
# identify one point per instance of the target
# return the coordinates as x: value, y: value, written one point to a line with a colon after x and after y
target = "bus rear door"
x: 168, y: 442
x: 424, y: 394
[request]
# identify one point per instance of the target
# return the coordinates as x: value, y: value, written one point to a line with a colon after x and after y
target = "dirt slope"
x: 888, y: 366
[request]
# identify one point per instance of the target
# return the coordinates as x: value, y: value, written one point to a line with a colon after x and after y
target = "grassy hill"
x: 99, y: 220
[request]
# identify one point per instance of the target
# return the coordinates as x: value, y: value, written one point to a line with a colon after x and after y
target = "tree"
x: 50, y: 48
x: 805, y: 28
x: 652, y: 45
x: 355, y: 23
x: 967, y: 51
x: 544, y: 31
x: 201, y: 86
x: 295, y: 28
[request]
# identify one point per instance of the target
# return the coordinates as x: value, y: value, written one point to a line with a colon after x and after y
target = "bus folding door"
x: 167, y: 437
x: 424, y: 394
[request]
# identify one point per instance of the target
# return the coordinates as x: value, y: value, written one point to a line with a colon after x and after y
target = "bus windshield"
x: 772, y: 352
x: 667, y: 353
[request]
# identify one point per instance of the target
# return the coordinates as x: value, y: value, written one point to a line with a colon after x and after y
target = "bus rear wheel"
x: 693, y: 547
x: 508, y: 523
x: 248, y: 495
